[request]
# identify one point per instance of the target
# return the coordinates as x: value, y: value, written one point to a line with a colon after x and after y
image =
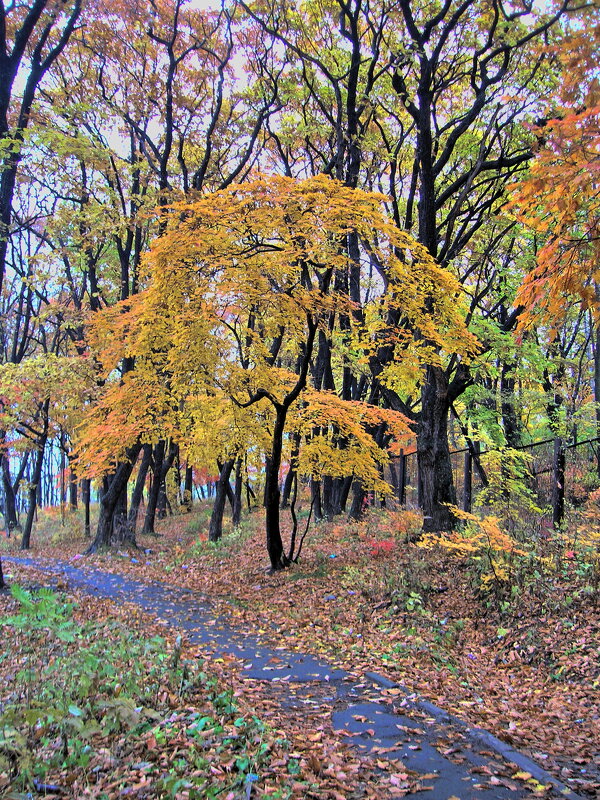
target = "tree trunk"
x: 291, y: 473
x: 32, y: 491
x: 119, y: 534
x: 161, y: 502
x: 114, y: 487
x: 86, y: 488
x: 237, y: 494
x: 436, y: 484
x: 188, y: 488
x: 72, y: 491
x: 215, y: 529
x: 510, y: 420
x: 277, y: 556
x: 358, y: 500
x: 158, y: 457
x: 315, y: 496
x: 10, y: 506
x: 138, y: 491
x: 160, y: 468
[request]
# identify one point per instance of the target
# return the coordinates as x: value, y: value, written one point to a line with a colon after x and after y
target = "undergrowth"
x: 83, y: 700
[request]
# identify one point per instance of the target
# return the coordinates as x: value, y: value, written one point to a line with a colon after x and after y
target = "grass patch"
x: 94, y: 703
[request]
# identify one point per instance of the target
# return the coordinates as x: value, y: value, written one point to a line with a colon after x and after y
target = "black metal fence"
x: 555, y: 471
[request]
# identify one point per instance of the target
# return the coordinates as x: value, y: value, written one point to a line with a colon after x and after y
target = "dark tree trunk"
x: 358, y: 500
x: 558, y: 483
x: 32, y: 491
x: 158, y: 457
x: 230, y: 496
x: 86, y: 487
x: 161, y: 503
x: 10, y: 506
x: 436, y: 484
x: 315, y: 496
x: 113, y: 488
x: 138, y: 492
x: 215, y: 528
x: 291, y: 473
x: 119, y: 534
x: 160, y: 468
x: 237, y: 494
x: 188, y: 488
x: 510, y: 420
x: 2, y: 583
x: 344, y: 491
x: 72, y: 491
x: 277, y: 556
x: 250, y: 494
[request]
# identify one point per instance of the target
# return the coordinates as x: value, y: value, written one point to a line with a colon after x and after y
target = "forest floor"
x: 523, y: 663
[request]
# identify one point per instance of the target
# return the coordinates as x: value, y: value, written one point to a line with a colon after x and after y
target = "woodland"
x: 309, y: 293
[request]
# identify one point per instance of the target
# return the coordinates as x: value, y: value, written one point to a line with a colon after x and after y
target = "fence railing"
x: 554, y: 475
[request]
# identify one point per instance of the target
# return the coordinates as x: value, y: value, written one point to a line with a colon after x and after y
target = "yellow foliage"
x: 480, y: 540
x: 234, y: 285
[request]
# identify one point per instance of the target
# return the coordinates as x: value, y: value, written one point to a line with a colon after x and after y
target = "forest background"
x: 334, y: 267
x: 287, y: 243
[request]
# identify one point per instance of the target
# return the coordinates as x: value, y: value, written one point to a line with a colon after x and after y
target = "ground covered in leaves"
x: 519, y: 656
x: 98, y: 702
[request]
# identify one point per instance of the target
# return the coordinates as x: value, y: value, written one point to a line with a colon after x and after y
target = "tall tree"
x: 32, y: 38
x: 241, y: 281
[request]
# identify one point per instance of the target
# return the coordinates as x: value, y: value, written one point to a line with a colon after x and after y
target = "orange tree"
x: 239, y: 285
x: 560, y: 198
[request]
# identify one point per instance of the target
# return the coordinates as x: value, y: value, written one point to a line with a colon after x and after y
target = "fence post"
x: 402, y: 478
x: 558, y: 483
x: 468, y: 482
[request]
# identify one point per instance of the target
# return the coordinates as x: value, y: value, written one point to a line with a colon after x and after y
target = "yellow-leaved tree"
x: 238, y: 286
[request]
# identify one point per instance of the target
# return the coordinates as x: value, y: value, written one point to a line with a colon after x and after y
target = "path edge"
x: 481, y: 736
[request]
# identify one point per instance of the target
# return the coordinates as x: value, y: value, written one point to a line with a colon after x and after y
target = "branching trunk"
x: 116, y: 484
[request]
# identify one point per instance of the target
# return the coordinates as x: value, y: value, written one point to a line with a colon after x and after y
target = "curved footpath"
x: 468, y: 768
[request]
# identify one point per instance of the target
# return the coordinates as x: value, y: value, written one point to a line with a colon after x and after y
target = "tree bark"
x: 72, y: 491
x: 114, y: 487
x: 86, y: 487
x: 436, y: 484
x: 358, y: 500
x: 10, y: 505
x: 215, y: 528
x: 237, y: 494
x: 315, y: 496
x: 291, y: 473
x: 188, y: 488
x: 275, y: 550
x: 138, y: 491
x: 33, y: 485
x: 158, y: 457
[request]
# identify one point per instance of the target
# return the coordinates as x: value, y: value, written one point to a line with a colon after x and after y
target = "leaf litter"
x: 536, y: 686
